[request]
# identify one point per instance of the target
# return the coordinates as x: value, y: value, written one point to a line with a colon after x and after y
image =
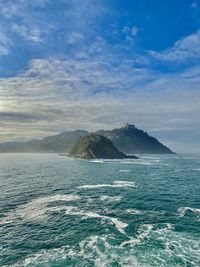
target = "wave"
x: 183, y: 210
x: 115, y: 184
x: 138, y: 162
x: 111, y: 198
x: 134, y: 211
x: 144, y: 232
x: 97, y: 161
x: 107, y: 250
x: 105, y: 160
x: 121, y: 183
x: 93, y: 251
x: 74, y: 211
x: 171, y: 246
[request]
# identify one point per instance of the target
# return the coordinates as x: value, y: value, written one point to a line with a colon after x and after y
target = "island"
x: 95, y: 146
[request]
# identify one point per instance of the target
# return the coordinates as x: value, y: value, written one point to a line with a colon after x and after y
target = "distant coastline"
x: 128, y: 139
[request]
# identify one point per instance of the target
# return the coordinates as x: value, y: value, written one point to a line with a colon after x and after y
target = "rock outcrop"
x: 94, y: 146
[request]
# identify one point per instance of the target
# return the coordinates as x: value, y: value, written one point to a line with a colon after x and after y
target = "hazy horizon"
x: 109, y: 128
x: 97, y: 64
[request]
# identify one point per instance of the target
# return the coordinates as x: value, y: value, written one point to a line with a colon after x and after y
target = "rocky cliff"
x: 95, y: 146
x: 129, y: 139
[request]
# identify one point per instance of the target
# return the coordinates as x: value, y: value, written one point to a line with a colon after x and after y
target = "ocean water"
x: 60, y: 211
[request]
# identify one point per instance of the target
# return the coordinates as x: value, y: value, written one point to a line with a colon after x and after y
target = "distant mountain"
x: 94, y: 146
x: 130, y: 140
x: 127, y: 139
x: 62, y: 142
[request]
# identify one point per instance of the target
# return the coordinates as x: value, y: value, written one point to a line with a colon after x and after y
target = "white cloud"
x: 131, y: 32
x: 32, y: 34
x: 19, y: 8
x: 27, y: 20
x: 183, y: 50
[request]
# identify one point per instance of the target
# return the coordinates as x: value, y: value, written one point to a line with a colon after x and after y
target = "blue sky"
x: 97, y: 64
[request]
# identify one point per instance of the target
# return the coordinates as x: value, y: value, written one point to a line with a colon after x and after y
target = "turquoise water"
x: 59, y: 211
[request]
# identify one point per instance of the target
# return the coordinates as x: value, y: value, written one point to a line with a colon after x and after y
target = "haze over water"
x: 60, y: 211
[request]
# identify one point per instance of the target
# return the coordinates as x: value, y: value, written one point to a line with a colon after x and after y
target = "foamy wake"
x: 37, y: 209
x: 74, y: 211
x: 115, y: 184
x: 183, y: 210
x: 93, y: 251
x: 101, y: 251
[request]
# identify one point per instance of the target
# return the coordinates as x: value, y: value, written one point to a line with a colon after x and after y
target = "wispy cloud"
x: 27, y: 20
x: 4, y: 43
x: 32, y: 34
x: 184, y: 50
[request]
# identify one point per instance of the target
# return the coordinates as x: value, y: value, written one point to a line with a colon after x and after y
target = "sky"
x: 97, y: 64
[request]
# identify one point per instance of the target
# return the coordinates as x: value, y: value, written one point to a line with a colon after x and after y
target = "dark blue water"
x: 59, y: 211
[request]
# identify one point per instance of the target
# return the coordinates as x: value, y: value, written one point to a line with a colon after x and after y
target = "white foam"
x: 119, y: 224
x: 90, y: 214
x: 134, y: 211
x: 144, y: 232
x: 97, y: 161
x: 101, y: 251
x: 115, y: 184
x: 138, y: 162
x: 182, y: 211
x: 43, y: 257
x: 104, y: 254
x: 37, y: 209
x: 91, y: 186
x: 111, y: 198
x: 184, y: 245
x: 198, y: 169
x: 124, y: 184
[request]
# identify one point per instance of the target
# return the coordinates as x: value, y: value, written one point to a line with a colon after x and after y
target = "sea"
x: 59, y: 211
